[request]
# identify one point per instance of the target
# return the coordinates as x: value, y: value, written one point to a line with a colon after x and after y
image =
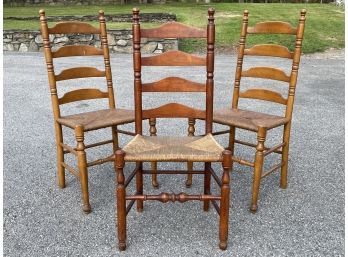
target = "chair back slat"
x: 269, y: 50
x: 272, y: 27
x: 174, y: 84
x: 79, y: 72
x: 82, y: 94
x: 264, y: 94
x: 77, y: 50
x: 266, y: 73
x: 173, y: 110
x: 174, y: 30
x: 173, y: 58
x: 73, y: 27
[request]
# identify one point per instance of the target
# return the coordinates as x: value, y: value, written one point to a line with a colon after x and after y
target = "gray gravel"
x: 307, y: 219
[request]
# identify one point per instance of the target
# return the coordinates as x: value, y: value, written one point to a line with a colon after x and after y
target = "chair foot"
x: 253, y: 208
x: 283, y: 186
x: 188, y: 183
x: 86, y: 208
x: 61, y: 186
x: 155, y: 184
x: 122, y: 246
x: 223, y: 245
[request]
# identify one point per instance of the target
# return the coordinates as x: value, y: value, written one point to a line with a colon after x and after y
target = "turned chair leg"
x: 82, y: 164
x: 260, y: 147
x: 232, y: 137
x: 285, y: 156
x: 139, y: 185
x: 115, y: 145
x: 60, y: 156
x: 225, y: 199
x: 207, y: 178
x: 153, y: 132
x: 191, y: 132
x: 120, y: 200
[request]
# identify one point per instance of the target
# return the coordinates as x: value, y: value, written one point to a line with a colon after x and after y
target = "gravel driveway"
x: 40, y: 219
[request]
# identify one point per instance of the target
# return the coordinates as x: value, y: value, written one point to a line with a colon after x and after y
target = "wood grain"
x: 272, y: 27
x: 173, y: 58
x: 269, y: 50
x: 263, y: 94
x: 266, y: 73
x: 173, y: 110
x: 174, y: 84
x: 73, y: 27
x: 82, y: 94
x: 77, y: 50
x: 79, y: 72
x: 174, y: 30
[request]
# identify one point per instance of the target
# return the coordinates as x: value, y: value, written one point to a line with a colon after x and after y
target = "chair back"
x: 72, y: 27
x: 271, y: 50
x: 173, y: 84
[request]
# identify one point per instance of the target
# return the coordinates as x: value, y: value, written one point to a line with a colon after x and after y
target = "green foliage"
x: 324, y: 27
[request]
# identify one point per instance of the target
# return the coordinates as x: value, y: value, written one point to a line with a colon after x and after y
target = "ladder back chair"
x: 169, y: 148
x: 87, y: 121
x: 261, y: 122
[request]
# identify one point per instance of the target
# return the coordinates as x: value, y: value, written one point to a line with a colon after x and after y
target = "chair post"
x: 258, y: 165
x: 191, y: 132
x: 115, y: 144
x: 139, y: 185
x: 207, y: 179
x: 82, y: 164
x: 137, y: 72
x: 285, y: 156
x: 105, y: 48
x: 54, y: 98
x: 225, y: 199
x: 210, y: 71
x: 291, y: 98
x: 153, y: 132
x: 121, y: 200
x: 60, y: 155
x: 242, y: 42
x: 232, y: 137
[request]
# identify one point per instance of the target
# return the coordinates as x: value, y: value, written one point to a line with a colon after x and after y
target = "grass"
x: 324, y: 26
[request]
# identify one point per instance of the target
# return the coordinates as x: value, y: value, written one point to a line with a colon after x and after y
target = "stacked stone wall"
x: 120, y: 41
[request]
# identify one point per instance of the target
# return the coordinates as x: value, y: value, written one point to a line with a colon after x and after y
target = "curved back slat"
x: 263, y: 94
x: 82, y: 94
x: 173, y: 110
x: 73, y: 27
x: 272, y: 27
x: 76, y: 50
x: 272, y: 50
x: 174, y: 30
x: 269, y: 50
x: 79, y: 72
x: 173, y: 58
x: 266, y: 73
x: 174, y: 84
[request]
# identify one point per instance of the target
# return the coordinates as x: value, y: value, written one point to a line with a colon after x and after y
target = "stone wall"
x: 75, y: 2
x: 144, y: 17
x: 120, y: 41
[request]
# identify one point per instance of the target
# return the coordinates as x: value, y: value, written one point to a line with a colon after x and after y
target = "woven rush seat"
x: 153, y: 148
x: 98, y: 119
x: 248, y: 119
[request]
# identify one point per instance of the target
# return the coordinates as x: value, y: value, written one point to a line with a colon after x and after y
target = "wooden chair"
x: 261, y: 122
x: 88, y: 121
x: 173, y: 149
